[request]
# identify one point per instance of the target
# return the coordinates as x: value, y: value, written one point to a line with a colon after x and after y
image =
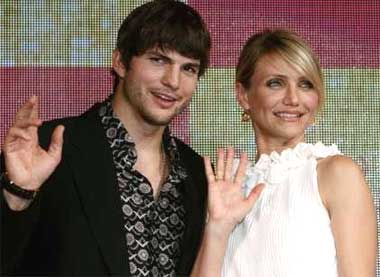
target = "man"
x: 111, y: 192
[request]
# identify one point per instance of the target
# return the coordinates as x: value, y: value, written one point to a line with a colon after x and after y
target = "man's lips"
x: 165, y: 100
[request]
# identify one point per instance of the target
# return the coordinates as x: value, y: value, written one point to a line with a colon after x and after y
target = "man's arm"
x: 16, y: 229
x: 26, y: 166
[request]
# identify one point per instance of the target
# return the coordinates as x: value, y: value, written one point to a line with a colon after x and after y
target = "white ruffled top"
x: 288, y: 231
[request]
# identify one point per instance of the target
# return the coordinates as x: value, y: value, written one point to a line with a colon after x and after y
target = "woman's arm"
x: 227, y: 206
x: 348, y: 199
x: 209, y: 261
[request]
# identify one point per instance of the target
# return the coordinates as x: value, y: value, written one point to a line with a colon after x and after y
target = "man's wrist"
x: 16, y: 190
x: 15, y: 203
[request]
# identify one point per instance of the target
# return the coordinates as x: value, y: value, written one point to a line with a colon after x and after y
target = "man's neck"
x: 148, y: 141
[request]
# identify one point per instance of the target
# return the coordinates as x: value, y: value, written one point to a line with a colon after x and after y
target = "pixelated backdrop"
x: 61, y: 51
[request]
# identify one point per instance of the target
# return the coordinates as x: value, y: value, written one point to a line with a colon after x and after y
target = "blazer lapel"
x: 96, y: 182
x: 194, y: 190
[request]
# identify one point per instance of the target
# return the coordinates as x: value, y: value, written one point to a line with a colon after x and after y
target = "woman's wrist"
x: 220, y: 230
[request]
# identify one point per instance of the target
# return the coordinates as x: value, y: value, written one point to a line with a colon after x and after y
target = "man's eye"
x: 157, y: 60
x: 191, y: 69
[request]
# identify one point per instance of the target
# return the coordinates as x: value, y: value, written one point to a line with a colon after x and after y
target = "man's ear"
x: 117, y: 63
x: 242, y: 96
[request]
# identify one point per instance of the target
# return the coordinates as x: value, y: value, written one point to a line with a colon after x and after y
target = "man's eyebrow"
x: 157, y: 53
x: 162, y: 55
x: 195, y: 64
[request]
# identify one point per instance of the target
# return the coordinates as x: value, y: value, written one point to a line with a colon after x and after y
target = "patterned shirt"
x: 153, y: 227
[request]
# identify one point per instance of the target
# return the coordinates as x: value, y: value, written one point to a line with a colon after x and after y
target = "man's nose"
x: 172, y: 77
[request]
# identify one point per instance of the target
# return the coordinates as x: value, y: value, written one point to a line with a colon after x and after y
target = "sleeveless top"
x: 288, y: 231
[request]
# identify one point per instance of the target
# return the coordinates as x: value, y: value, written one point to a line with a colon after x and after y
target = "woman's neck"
x: 268, y: 145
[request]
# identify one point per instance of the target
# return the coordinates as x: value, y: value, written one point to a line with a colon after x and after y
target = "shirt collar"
x: 110, y: 120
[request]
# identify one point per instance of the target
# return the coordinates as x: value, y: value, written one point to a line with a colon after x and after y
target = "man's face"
x: 158, y: 85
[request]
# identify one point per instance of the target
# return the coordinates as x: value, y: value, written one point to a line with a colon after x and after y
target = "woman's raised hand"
x: 227, y: 204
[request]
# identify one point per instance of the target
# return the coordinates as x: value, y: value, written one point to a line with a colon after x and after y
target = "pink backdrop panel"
x: 336, y: 29
x: 63, y: 91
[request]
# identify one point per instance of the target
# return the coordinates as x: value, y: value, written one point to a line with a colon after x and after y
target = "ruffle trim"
x: 272, y: 169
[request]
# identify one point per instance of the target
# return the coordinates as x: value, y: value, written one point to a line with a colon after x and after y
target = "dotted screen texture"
x: 61, y: 51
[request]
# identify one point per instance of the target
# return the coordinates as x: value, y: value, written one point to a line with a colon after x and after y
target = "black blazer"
x: 74, y: 226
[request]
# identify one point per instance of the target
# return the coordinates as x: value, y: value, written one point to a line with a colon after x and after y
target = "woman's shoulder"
x: 338, y: 178
x: 337, y: 166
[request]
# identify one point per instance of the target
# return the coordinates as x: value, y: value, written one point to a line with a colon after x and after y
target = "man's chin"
x: 159, y: 121
x: 163, y: 118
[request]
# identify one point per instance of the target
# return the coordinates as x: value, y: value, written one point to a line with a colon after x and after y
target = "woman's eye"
x: 273, y: 83
x: 305, y: 84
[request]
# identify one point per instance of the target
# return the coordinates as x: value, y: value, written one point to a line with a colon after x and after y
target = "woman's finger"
x: 228, y: 169
x: 241, y: 170
x: 208, y: 168
x: 220, y: 165
x: 254, y: 194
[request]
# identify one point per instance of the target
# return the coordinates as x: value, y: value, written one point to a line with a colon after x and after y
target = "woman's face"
x: 281, y: 101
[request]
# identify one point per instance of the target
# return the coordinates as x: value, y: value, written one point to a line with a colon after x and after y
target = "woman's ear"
x: 313, y: 119
x: 242, y: 96
x: 117, y: 63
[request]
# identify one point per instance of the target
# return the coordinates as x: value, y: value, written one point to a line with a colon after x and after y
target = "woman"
x: 312, y: 213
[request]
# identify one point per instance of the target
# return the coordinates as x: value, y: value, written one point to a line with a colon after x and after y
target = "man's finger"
x: 26, y: 109
x: 16, y: 133
x: 35, y: 109
x: 28, y: 122
x: 55, y: 147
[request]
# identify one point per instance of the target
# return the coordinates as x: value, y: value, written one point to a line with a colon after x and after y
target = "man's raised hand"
x: 27, y: 164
